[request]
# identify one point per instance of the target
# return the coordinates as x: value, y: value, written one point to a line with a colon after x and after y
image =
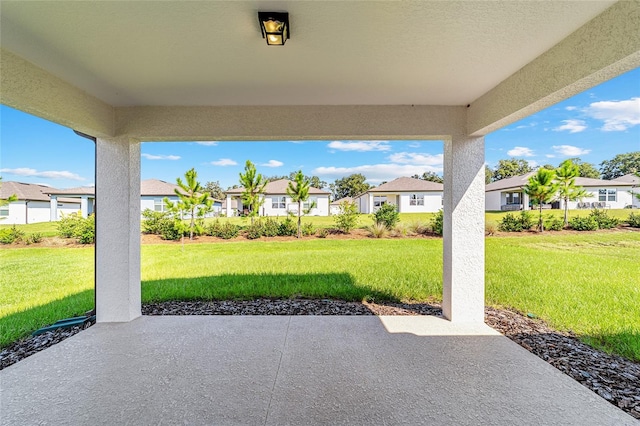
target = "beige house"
x: 409, y: 195
x: 278, y: 203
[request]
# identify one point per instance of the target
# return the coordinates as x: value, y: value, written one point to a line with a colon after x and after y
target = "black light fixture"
x: 274, y: 27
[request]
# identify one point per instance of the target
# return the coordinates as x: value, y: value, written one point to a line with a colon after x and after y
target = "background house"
x: 85, y: 196
x: 334, y: 207
x: 410, y: 195
x: 634, y: 180
x: 278, y: 203
x: 507, y: 194
x: 33, y: 204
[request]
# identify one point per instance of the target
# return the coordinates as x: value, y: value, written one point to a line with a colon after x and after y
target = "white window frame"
x: 379, y: 200
x: 416, y: 200
x: 278, y: 203
x: 307, y: 204
x: 4, y: 211
x: 159, y: 202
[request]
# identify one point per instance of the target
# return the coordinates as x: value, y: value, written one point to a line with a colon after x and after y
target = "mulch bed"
x: 615, y: 379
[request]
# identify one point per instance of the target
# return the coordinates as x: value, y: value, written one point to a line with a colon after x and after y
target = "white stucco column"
x: 229, y: 210
x: 117, y: 230
x: 53, y: 207
x: 84, y: 206
x: 463, y: 274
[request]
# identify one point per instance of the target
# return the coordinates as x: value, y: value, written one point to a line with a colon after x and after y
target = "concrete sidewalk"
x: 300, y: 370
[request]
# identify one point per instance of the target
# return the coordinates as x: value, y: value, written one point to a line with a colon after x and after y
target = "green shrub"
x: 603, y: 220
x: 67, y: 225
x: 288, y: 228
x: 85, y: 230
x: 347, y: 217
x: 437, y: 223
x: 512, y: 223
x: 553, y: 223
x: 378, y: 230
x: 579, y: 223
x: 323, y: 233
x: 308, y: 229
x: 170, y: 229
x: 228, y: 231
x: 152, y: 221
x: 271, y: 227
x: 11, y: 235
x: 419, y: 228
x: 634, y: 220
x: 387, y: 215
x: 254, y: 230
x: 34, y: 238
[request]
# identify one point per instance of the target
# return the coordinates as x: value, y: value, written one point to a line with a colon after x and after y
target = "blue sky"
x: 595, y: 125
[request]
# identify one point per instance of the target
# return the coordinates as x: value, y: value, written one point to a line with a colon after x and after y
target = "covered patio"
x: 131, y: 72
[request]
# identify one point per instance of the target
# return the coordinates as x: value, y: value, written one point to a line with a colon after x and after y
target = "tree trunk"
x: 299, y: 218
x: 191, y: 226
x: 540, y: 222
x: 566, y: 212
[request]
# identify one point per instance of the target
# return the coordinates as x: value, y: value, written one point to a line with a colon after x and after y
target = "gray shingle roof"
x: 517, y: 182
x: 81, y: 190
x: 342, y: 200
x: 278, y: 187
x: 630, y: 178
x: 157, y: 187
x: 407, y: 184
x: 25, y: 191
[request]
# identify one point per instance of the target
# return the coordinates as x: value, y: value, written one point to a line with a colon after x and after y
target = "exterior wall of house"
x: 493, y: 200
x: 432, y: 202
x: 362, y: 203
x: 21, y: 212
x: 615, y: 198
x: 280, y: 205
x: 156, y: 203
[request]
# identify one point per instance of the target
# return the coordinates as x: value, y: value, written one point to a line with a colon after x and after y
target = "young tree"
x: 193, y: 198
x: 253, y: 184
x: 541, y: 188
x: 511, y: 167
x: 347, y: 217
x: 298, y: 190
x: 620, y: 165
x: 566, y: 176
x: 488, y: 175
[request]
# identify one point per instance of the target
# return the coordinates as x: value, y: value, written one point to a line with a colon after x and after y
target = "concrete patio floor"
x: 300, y: 370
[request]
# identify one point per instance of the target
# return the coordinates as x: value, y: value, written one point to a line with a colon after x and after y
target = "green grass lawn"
x: 47, y: 229
x: 587, y: 283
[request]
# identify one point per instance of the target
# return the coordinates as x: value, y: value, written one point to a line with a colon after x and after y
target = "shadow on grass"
x: 21, y: 324
x: 252, y: 286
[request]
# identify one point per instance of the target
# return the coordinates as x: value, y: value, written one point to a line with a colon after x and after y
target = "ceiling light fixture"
x: 274, y: 27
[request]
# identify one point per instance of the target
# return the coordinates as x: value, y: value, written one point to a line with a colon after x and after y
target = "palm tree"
x: 566, y: 175
x: 253, y: 184
x: 542, y: 189
x: 298, y: 190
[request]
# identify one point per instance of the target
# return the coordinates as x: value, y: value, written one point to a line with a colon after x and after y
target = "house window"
x: 278, y: 202
x: 379, y: 201
x: 513, y: 198
x: 416, y: 200
x: 311, y: 201
x: 4, y: 211
x: 606, y: 195
x: 158, y: 205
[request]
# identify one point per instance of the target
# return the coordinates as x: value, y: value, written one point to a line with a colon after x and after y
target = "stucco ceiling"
x: 340, y: 53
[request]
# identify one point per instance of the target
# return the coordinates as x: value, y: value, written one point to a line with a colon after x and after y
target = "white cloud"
x: 550, y: 156
x: 224, y: 162
x: 616, y: 115
x: 376, y: 173
x: 160, y: 157
x: 272, y: 163
x: 571, y: 108
x: 415, y: 158
x: 520, y: 151
x: 414, y: 145
x: 573, y: 126
x: 569, y: 150
x: 50, y: 174
x: 207, y: 143
x: 361, y: 146
x: 533, y: 163
x: 297, y: 142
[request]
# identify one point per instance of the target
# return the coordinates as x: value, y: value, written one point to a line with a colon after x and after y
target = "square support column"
x: 463, y: 230
x: 53, y: 208
x: 118, y: 230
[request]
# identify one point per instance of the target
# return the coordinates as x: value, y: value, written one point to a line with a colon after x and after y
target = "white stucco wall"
x: 321, y: 209
x: 432, y: 203
x: 623, y: 198
x: 493, y: 200
x: 35, y: 212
